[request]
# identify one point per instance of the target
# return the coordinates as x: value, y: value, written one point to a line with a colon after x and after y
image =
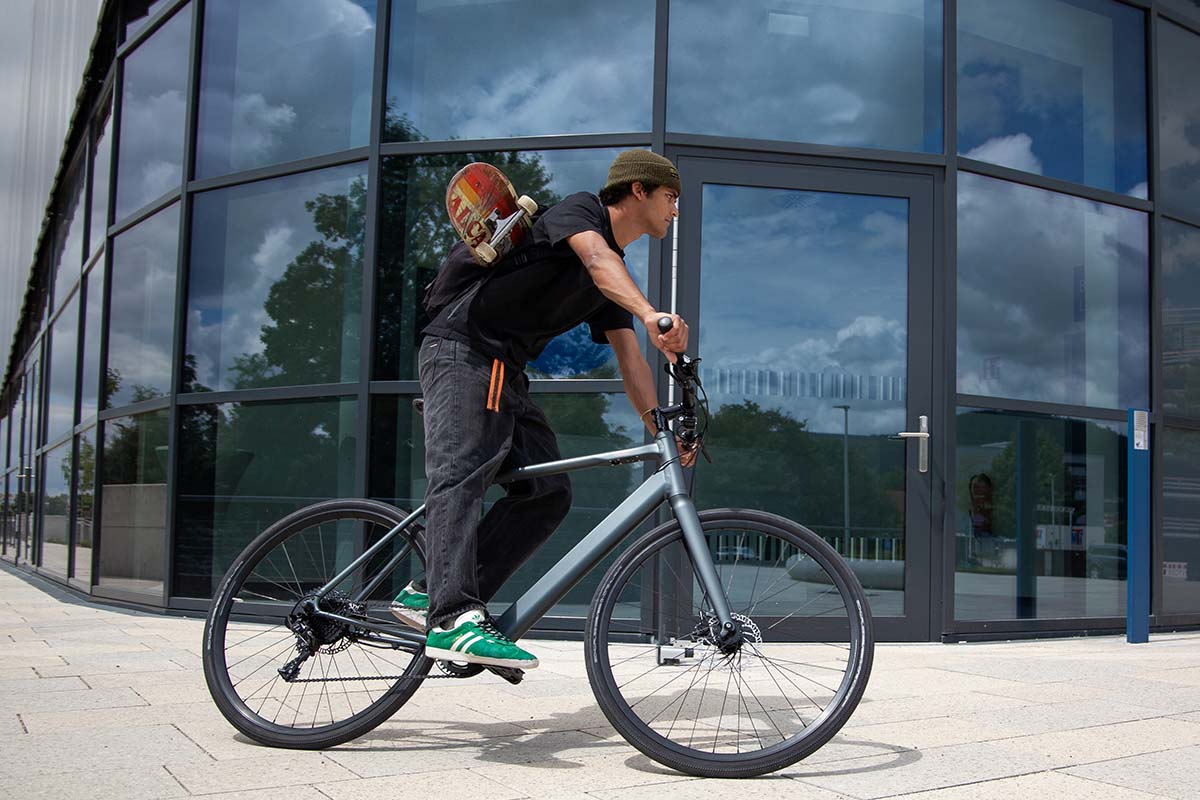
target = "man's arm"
x: 639, y: 382
x: 608, y: 272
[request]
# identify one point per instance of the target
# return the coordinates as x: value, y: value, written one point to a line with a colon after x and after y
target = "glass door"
x: 809, y: 292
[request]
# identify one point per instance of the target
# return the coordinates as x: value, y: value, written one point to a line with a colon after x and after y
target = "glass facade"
x: 133, y: 504
x: 276, y: 173
x: 64, y: 346
x: 872, y: 72
x: 141, y: 319
x: 1180, y: 318
x: 153, y: 109
x: 55, y: 517
x: 84, y: 527
x: 1040, y: 525
x: 69, y: 255
x: 1181, y: 521
x: 275, y: 287
x: 782, y: 417
x: 584, y: 68
x: 1178, y: 118
x: 282, y: 81
x: 1056, y: 88
x: 1060, y: 314
x: 244, y: 465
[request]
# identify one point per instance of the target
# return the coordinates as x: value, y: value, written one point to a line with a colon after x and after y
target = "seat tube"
x: 693, y: 532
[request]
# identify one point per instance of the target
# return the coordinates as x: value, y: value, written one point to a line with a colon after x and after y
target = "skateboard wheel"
x: 527, y: 204
x: 486, y: 252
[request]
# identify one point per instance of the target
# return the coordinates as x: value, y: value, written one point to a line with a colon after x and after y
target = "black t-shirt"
x: 517, y: 310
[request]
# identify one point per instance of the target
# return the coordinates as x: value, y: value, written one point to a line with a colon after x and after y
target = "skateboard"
x: 487, y: 213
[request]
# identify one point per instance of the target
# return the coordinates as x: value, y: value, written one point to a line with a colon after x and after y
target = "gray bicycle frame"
x: 667, y: 484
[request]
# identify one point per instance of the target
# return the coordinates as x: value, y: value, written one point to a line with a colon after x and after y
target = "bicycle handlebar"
x: 686, y: 373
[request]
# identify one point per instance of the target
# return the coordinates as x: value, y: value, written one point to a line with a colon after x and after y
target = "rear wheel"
x: 670, y: 686
x: 284, y: 674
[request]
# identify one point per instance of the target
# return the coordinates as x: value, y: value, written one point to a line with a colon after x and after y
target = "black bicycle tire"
x: 712, y: 765
x: 217, y: 678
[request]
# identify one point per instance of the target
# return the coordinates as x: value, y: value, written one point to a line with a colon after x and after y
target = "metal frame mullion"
x: 303, y: 165
x: 143, y: 213
x: 371, y: 229
x: 133, y: 409
x: 949, y: 312
x: 274, y: 393
x: 152, y: 25
x: 1155, y: 298
x: 775, y: 147
x: 987, y: 403
x: 1171, y: 14
x: 563, y: 142
x: 1055, y: 185
x: 181, y: 295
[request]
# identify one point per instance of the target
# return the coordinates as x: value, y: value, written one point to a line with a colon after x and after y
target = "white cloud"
x: 1014, y: 151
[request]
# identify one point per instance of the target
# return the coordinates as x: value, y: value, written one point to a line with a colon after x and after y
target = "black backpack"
x: 461, y: 276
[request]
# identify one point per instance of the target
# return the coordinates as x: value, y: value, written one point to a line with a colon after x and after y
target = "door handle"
x: 922, y: 437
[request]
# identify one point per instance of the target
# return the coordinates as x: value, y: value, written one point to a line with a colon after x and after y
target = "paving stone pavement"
x: 99, y: 702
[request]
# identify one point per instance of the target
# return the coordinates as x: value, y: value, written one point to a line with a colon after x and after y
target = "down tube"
x: 531, y: 606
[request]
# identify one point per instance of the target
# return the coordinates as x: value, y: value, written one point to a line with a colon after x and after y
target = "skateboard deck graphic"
x: 486, y: 212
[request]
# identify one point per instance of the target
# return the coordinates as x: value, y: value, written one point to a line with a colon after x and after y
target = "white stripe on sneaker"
x: 461, y: 640
x: 467, y: 644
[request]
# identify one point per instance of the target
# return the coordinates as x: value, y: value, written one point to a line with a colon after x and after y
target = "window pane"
x: 133, y: 503
x: 243, y: 466
x: 1181, y: 520
x: 282, y: 80
x: 806, y: 367
x: 101, y: 167
x: 1055, y: 88
x: 142, y: 313
x: 838, y: 72
x: 56, y: 509
x: 60, y: 417
x: 1180, y: 318
x: 274, y: 290
x: 1040, y: 523
x: 1052, y: 297
x: 415, y: 236
x: 582, y: 67
x: 1179, y: 118
x: 139, y: 12
x: 153, y: 110
x: 85, y: 493
x: 583, y: 423
x: 89, y: 388
x: 1188, y: 8
x: 68, y: 258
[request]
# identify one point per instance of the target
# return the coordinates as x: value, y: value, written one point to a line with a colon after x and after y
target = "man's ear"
x: 639, y: 191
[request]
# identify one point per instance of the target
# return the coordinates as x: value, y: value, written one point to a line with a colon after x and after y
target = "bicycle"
x: 683, y: 607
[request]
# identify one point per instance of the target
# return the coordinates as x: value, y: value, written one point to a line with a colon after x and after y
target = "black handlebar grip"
x: 665, y: 324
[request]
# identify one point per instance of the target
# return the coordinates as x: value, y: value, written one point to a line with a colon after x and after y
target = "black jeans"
x: 467, y: 444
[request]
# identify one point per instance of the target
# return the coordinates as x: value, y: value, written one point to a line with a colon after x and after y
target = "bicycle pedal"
x: 510, y: 674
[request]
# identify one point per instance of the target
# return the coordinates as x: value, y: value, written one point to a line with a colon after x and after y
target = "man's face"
x: 658, y: 210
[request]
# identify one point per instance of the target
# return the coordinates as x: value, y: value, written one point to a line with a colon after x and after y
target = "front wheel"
x: 684, y: 697
x: 284, y: 674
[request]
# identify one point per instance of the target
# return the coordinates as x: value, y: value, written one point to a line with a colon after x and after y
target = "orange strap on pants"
x: 496, y: 386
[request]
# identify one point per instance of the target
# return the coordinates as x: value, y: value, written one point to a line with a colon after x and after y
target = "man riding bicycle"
x: 480, y: 420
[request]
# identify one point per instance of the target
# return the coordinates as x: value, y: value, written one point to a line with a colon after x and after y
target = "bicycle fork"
x: 729, y: 636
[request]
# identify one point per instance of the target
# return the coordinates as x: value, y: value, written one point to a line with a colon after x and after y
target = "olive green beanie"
x: 644, y: 167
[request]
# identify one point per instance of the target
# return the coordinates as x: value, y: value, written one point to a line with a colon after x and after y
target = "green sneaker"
x: 476, y: 640
x: 410, y: 607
